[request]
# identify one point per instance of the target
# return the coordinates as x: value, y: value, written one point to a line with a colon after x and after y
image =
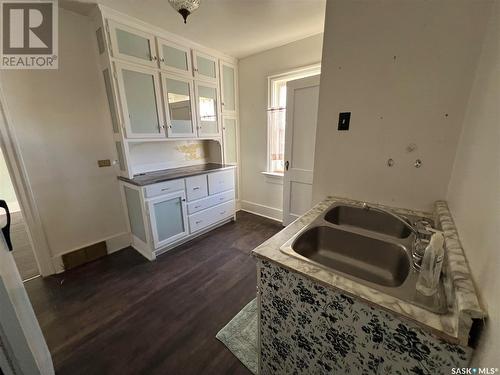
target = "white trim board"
x: 265, y: 211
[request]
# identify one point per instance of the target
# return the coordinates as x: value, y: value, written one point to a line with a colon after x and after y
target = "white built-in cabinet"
x: 230, y: 136
x: 163, y: 92
x: 168, y: 218
x: 164, y: 214
x: 208, y: 109
x: 228, y: 87
x: 179, y: 103
x: 205, y: 67
x: 130, y: 44
x: 140, y: 99
x: 175, y: 58
x: 166, y: 89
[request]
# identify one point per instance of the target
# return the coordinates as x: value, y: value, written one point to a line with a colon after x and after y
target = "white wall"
x: 259, y: 193
x: 474, y: 190
x: 63, y: 127
x: 399, y: 67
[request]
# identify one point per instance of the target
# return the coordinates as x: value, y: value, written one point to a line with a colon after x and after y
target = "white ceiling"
x: 236, y: 27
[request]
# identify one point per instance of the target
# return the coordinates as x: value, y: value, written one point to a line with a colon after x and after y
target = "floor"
x: 23, y: 252
x: 124, y: 315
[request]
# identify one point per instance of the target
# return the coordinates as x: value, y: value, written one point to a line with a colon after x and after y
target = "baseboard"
x: 113, y: 243
x: 118, y: 243
x: 262, y: 210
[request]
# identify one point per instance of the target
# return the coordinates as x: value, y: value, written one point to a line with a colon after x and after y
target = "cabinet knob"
x: 162, y: 60
x: 155, y: 58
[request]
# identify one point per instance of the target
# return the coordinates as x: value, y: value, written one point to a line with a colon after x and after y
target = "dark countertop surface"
x: 174, y: 173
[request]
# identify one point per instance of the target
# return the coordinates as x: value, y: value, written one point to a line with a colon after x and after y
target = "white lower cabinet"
x: 220, y: 181
x: 168, y: 218
x: 177, y: 210
x: 212, y: 215
x: 210, y: 201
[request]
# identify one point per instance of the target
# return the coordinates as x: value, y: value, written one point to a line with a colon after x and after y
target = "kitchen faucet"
x: 421, y: 235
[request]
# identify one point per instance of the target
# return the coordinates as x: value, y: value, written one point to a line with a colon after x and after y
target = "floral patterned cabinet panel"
x: 306, y: 328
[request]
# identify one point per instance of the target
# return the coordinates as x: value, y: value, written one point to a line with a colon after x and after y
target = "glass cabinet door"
x: 175, y: 58
x: 140, y: 100
x: 208, y: 118
x: 230, y: 140
x: 168, y: 218
x: 133, y: 45
x: 179, y: 106
x: 205, y: 67
x: 228, y: 88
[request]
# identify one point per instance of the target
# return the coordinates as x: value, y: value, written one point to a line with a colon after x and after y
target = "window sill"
x: 273, y: 177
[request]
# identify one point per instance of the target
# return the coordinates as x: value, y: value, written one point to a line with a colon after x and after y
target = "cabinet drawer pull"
x: 221, y: 198
x: 197, y: 206
x: 199, y: 221
x: 196, y: 188
x: 223, y: 212
x: 165, y: 189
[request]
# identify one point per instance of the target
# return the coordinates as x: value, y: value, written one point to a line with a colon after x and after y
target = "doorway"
x: 23, y: 250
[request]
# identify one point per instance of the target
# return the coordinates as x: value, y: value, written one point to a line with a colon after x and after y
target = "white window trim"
x: 292, y: 74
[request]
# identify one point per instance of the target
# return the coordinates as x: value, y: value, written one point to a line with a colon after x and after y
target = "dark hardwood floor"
x: 124, y: 315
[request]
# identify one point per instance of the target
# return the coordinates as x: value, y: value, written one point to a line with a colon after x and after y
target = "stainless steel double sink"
x: 370, y: 247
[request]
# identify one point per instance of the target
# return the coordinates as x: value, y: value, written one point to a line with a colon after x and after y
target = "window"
x: 276, y: 115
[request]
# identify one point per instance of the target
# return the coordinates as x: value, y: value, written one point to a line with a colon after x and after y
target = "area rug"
x: 240, y: 336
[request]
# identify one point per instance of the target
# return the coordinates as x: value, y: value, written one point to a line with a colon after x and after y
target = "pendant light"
x: 185, y: 7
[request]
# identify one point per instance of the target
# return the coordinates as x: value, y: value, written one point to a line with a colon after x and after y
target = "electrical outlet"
x: 104, y: 163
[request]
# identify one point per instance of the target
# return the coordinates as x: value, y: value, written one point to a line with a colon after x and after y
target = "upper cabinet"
x: 133, y: 45
x: 228, y: 87
x: 205, y: 67
x: 179, y: 106
x: 208, y: 114
x: 230, y: 136
x: 175, y: 58
x: 140, y: 99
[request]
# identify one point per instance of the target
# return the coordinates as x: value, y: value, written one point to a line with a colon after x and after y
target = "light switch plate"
x: 344, y: 119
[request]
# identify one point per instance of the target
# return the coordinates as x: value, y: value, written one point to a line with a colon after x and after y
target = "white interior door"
x: 23, y: 349
x: 300, y: 138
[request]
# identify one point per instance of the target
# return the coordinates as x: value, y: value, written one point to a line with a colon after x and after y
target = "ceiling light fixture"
x: 185, y: 7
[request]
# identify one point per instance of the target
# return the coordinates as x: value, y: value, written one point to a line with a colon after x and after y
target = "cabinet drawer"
x: 220, y: 181
x: 210, y: 201
x: 211, y: 216
x: 196, y: 187
x: 164, y: 188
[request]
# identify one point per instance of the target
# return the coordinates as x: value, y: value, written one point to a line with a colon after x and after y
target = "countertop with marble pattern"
x: 175, y: 173
x: 453, y: 326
